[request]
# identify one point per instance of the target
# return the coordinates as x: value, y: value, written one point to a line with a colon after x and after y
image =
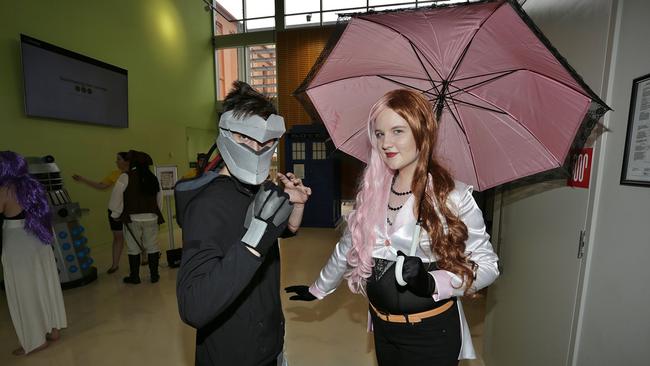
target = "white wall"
x: 615, y: 327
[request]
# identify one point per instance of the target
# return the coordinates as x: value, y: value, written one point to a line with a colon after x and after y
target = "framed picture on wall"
x: 636, y: 160
x: 167, y: 176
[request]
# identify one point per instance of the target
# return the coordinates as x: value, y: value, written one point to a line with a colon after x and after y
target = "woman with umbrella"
x: 414, y: 306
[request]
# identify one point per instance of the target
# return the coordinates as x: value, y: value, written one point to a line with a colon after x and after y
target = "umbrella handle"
x: 398, y: 271
x: 399, y: 264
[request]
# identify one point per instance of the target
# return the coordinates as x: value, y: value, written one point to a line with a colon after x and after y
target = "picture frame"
x: 167, y: 176
x: 636, y: 158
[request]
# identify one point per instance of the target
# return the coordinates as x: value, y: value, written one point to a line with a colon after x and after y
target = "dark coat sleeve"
x: 212, y: 274
x: 286, y: 234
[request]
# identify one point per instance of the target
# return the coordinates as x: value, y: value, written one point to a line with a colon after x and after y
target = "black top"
x: 224, y: 291
x: 387, y: 296
x: 20, y: 216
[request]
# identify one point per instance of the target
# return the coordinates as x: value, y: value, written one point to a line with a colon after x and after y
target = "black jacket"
x: 224, y: 291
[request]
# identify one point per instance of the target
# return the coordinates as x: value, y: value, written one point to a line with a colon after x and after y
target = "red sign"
x: 581, y: 168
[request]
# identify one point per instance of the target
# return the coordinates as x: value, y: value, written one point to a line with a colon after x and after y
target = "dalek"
x: 71, y: 251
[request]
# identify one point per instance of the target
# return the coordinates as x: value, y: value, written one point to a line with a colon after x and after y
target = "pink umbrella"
x: 510, y: 107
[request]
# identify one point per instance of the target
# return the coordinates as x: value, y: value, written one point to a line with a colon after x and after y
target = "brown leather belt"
x: 412, y: 318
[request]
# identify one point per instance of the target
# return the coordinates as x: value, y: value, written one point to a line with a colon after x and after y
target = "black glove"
x: 418, y: 280
x: 301, y: 293
x: 266, y: 218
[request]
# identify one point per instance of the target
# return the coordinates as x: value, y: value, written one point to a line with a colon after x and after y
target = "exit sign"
x: 581, y: 172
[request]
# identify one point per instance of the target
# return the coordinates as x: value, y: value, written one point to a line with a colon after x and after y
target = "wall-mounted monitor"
x: 62, y: 84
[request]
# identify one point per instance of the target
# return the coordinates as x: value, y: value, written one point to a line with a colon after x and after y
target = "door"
x: 530, y: 307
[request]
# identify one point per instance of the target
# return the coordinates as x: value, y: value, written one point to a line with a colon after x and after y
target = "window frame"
x: 246, y: 38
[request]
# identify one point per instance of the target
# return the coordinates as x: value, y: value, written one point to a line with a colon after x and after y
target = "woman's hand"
x: 418, y: 280
x: 301, y: 293
x: 298, y: 193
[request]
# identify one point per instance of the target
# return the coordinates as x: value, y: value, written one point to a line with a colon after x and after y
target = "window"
x: 228, y: 66
x: 246, y: 15
x: 317, y: 12
x: 307, y: 12
x: 318, y: 151
x: 298, y: 150
x: 253, y: 64
x: 261, y: 71
x: 373, y: 3
x: 338, y: 4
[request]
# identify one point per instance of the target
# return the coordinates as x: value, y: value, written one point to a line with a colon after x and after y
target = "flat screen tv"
x: 62, y: 84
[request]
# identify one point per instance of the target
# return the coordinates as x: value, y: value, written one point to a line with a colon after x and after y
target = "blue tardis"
x: 308, y: 154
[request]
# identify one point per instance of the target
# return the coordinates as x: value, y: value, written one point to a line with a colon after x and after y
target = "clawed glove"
x: 418, y: 280
x: 266, y: 217
x: 301, y: 293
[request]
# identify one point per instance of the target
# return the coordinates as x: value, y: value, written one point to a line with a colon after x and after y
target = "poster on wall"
x: 636, y: 161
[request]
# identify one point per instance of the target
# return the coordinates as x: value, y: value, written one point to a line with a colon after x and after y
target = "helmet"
x: 244, y: 163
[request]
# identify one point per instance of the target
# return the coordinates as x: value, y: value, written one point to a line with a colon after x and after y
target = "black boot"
x: 153, y: 266
x: 134, y: 267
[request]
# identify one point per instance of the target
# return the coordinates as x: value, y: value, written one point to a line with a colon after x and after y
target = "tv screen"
x: 62, y: 84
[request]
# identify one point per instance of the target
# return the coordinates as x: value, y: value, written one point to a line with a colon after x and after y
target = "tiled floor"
x: 110, y: 323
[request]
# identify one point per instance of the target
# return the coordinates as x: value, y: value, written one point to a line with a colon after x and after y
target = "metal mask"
x: 244, y: 163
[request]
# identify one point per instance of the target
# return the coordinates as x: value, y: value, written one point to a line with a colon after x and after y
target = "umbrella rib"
x: 400, y: 83
x: 352, y: 136
x: 467, y: 88
x: 503, y: 111
x: 469, y: 43
x: 509, y: 72
x: 457, y: 120
x: 415, y: 50
x: 559, y: 82
x: 488, y: 74
x: 365, y: 75
x: 506, y: 73
x: 522, y: 126
x: 410, y: 42
x: 469, y: 145
x: 500, y: 111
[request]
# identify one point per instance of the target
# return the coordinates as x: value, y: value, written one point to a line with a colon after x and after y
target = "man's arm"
x: 210, y: 279
x: 296, y: 217
x: 298, y: 195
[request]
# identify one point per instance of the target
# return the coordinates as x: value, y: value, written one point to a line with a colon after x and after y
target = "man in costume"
x: 229, y: 279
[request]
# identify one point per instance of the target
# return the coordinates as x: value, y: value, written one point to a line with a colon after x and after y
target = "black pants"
x: 434, y: 341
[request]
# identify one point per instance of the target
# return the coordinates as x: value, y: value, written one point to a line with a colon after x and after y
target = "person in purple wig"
x: 31, y: 278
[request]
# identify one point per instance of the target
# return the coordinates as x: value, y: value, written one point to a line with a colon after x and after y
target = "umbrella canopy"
x: 509, y: 106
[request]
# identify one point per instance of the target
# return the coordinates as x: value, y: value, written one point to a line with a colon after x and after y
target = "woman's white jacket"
x: 477, y: 247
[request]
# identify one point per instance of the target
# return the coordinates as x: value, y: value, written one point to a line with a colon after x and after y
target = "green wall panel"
x: 165, y: 45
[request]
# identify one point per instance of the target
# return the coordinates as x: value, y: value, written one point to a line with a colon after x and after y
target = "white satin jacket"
x: 477, y: 247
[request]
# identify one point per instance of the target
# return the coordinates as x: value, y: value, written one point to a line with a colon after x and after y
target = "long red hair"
x: 372, y: 198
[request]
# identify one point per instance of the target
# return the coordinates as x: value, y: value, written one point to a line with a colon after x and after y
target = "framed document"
x: 636, y: 160
x: 167, y: 176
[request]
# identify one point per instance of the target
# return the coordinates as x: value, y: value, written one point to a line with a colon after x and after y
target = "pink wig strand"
x: 371, y: 201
